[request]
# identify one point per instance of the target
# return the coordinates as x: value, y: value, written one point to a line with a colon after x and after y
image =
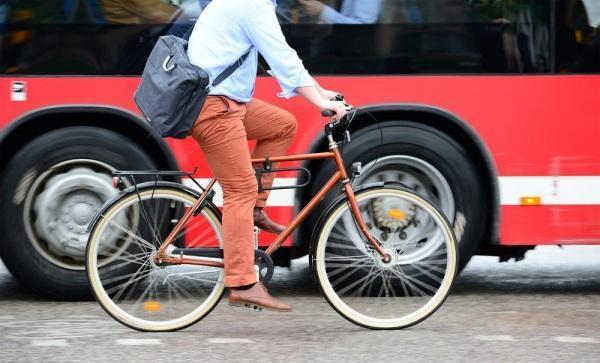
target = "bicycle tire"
x: 129, y: 196
x: 323, y: 274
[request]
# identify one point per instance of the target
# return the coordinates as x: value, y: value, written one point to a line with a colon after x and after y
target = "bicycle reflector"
x: 396, y: 214
x: 152, y: 306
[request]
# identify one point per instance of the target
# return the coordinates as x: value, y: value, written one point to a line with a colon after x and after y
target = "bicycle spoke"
x: 117, y: 296
x: 125, y: 262
x: 140, y: 240
x: 413, y: 281
x: 134, y: 277
x: 356, y: 282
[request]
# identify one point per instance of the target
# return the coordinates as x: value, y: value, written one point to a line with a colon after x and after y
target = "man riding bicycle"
x: 225, y: 31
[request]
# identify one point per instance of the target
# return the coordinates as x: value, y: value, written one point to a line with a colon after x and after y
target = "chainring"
x: 265, y: 264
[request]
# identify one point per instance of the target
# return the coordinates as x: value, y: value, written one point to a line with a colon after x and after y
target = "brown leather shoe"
x: 256, y: 296
x: 263, y: 222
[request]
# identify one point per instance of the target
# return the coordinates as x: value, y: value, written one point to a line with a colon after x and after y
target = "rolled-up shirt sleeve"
x: 265, y: 33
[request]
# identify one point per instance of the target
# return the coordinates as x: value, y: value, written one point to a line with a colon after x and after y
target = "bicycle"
x: 383, y: 256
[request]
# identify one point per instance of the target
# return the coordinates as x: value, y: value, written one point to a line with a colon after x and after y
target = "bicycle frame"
x: 340, y: 176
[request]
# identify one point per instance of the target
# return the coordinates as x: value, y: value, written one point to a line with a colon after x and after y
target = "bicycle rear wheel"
x: 125, y: 278
x: 375, y: 294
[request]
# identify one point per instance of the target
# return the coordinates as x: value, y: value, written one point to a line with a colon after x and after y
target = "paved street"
x: 544, y: 309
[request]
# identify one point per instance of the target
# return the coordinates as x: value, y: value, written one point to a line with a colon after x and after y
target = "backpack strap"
x: 232, y: 68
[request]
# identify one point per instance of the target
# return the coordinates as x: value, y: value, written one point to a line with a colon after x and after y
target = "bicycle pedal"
x: 253, y: 307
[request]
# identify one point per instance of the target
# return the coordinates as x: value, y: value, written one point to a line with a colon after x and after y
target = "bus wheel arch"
x: 43, y: 120
x: 40, y: 178
x: 428, y: 119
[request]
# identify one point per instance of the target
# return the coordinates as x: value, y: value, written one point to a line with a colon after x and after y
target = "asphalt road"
x: 544, y: 309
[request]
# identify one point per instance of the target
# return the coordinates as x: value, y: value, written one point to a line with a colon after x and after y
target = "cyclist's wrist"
x: 312, y: 95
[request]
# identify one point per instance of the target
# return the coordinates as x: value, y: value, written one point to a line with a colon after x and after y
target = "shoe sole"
x: 256, y: 307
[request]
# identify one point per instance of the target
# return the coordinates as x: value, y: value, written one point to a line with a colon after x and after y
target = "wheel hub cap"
x: 65, y: 208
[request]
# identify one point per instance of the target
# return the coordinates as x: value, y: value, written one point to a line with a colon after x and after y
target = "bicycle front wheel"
x: 380, y: 294
x: 124, y: 276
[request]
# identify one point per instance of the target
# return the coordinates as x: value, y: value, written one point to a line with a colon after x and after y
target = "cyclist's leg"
x: 274, y: 129
x: 220, y: 132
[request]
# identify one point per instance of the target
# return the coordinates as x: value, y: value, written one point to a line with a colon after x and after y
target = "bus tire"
x: 53, y: 187
x: 426, y: 160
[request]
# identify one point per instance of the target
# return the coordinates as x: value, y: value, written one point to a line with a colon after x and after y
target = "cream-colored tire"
x: 365, y: 289
x: 147, y: 296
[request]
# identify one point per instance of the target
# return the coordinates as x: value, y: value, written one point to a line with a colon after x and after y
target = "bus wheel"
x: 53, y: 187
x: 429, y: 162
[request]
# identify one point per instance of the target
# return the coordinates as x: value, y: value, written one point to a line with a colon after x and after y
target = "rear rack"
x: 131, y: 174
x: 154, y: 172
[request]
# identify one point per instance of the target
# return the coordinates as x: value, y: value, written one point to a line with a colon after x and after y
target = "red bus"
x: 487, y: 107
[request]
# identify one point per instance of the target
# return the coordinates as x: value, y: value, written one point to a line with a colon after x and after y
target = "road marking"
x: 229, y: 340
x: 42, y: 329
x: 575, y: 340
x: 495, y: 338
x: 139, y: 341
x: 506, y: 312
x: 50, y: 343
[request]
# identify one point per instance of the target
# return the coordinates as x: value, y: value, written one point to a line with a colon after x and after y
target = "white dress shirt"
x: 227, y: 29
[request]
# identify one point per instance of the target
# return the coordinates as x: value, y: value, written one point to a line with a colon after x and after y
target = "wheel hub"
x: 392, y: 214
x: 384, y: 263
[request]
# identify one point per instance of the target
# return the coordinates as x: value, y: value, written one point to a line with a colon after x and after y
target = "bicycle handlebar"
x: 331, y: 113
x: 327, y: 113
x: 342, y: 124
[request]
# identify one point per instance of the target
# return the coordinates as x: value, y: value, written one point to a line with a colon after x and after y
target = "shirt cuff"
x: 328, y: 15
x: 303, y: 80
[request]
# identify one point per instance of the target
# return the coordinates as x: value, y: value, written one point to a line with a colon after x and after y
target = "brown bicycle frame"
x: 340, y: 176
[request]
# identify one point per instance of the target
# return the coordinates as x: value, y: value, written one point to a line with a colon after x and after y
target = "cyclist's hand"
x: 336, y: 106
x: 329, y: 95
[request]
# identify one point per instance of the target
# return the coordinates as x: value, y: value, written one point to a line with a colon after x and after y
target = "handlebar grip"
x: 327, y: 113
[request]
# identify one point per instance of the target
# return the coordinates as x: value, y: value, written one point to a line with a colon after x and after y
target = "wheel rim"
x: 59, y: 206
x: 132, y: 287
x: 378, y: 294
x: 416, y: 174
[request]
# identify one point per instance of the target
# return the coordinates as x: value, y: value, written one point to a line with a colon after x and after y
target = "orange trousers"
x: 223, y: 130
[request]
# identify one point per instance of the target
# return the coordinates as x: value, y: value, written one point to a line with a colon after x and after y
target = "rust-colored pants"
x: 223, y: 130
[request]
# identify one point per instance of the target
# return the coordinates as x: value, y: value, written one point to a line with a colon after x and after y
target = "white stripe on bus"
x: 560, y: 190
x: 553, y: 190
x: 277, y: 198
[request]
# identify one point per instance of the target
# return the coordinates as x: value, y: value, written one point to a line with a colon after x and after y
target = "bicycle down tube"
x: 340, y: 176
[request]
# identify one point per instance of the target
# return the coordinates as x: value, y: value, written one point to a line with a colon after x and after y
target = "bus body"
x: 488, y: 108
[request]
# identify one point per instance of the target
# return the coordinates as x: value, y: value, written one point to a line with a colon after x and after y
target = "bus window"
x: 379, y: 37
x: 428, y: 36
x: 578, y: 36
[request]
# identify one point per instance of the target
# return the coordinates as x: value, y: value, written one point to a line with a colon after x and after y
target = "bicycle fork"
x: 352, y: 199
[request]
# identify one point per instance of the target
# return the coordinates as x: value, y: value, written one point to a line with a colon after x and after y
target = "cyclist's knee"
x: 289, y: 125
